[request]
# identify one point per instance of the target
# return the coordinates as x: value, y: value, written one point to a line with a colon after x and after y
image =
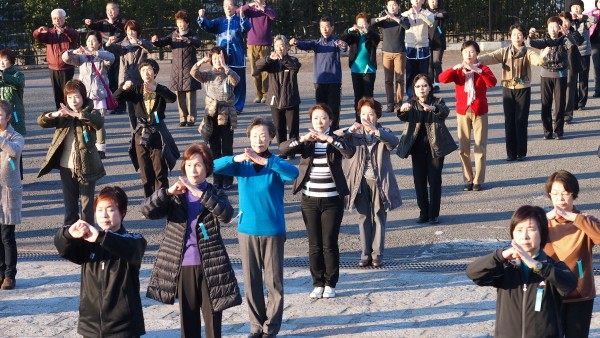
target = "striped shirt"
x: 320, y: 182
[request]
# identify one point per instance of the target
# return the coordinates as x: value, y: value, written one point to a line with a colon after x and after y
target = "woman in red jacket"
x: 471, y: 80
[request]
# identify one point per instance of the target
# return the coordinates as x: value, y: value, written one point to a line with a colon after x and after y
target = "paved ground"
x: 399, y: 301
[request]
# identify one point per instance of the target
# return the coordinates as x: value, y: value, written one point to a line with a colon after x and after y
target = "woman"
x: 192, y: 263
x: 362, y: 57
x: 323, y: 187
x: 110, y: 259
x: 595, y: 42
x: 572, y: 236
x: 530, y: 285
x: 12, y: 84
x: 73, y: 151
x: 437, y: 42
x: 516, y: 62
x: 471, y: 80
x: 93, y: 66
x: 428, y: 140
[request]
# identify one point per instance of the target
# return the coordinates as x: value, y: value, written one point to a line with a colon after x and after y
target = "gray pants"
x: 263, y: 253
x: 371, y: 220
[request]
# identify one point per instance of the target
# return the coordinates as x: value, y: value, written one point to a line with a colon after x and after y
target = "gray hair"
x: 58, y: 11
x: 282, y: 38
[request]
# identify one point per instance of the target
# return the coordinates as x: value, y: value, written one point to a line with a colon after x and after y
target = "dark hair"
x: 149, y: 62
x: 9, y: 54
x: 534, y: 213
x: 565, y: 15
x: 321, y: 106
x: 369, y: 102
x: 260, y: 121
x: 204, y: 151
x: 75, y: 86
x: 327, y: 18
x: 96, y: 34
x: 429, y: 82
x: 363, y: 15
x: 554, y: 19
x: 6, y: 107
x: 133, y: 25
x: 218, y: 50
x: 518, y: 27
x: 114, y: 194
x: 568, y: 180
x: 182, y: 15
x: 577, y: 2
x: 470, y: 43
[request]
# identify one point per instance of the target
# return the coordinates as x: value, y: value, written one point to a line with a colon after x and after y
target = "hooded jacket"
x: 184, y: 57
x: 283, y: 81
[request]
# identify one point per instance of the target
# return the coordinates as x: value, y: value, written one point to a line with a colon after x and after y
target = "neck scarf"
x: 470, y: 87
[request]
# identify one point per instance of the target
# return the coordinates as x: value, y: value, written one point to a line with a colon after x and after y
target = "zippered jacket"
x: 283, y: 81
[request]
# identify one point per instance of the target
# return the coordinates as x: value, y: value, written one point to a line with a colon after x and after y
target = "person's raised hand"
x: 569, y: 216
x: 79, y: 229
x: 201, y: 13
x: 317, y: 135
x: 458, y: 66
x: 154, y: 38
x: 128, y: 84
x: 427, y: 107
x: 222, y: 59
x: 307, y: 137
x: 532, y: 32
x: 275, y: 56
x: 149, y: 87
x: 355, y: 127
x: 370, y: 127
x: 112, y: 40
x: 253, y: 157
x: 544, y: 52
x: 67, y: 112
x: 177, y: 188
x: 240, y: 158
x: 341, y: 44
x: 194, y: 190
x: 43, y: 29
x: 510, y: 254
x: 93, y: 233
x: 405, y: 107
x: 87, y: 22
x: 293, y: 41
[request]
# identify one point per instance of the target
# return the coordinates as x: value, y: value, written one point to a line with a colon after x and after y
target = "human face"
x: 182, y: 25
x: 147, y: 73
x: 112, y: 11
x: 326, y: 29
x: 228, y: 8
x: 553, y: 29
x: 131, y: 34
x: 58, y: 20
x: 92, y: 43
x: 527, y: 235
x: 566, y: 23
x: 367, y: 113
x: 433, y: 4
x: 195, y: 170
x: 561, y: 197
x: 280, y: 47
x: 4, y: 63
x: 216, y: 61
x: 469, y: 55
x: 108, y: 216
x: 421, y: 89
x: 75, y: 101
x: 577, y: 9
x: 362, y: 23
x: 4, y: 119
x: 392, y: 7
x: 516, y: 37
x: 320, y: 120
x: 417, y: 3
x: 260, y: 138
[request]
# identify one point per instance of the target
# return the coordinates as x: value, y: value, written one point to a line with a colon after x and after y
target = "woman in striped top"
x: 323, y: 187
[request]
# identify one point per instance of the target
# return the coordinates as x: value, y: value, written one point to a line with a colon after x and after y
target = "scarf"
x: 470, y: 87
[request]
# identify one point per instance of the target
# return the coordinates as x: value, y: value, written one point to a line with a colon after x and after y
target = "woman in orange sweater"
x: 571, y: 238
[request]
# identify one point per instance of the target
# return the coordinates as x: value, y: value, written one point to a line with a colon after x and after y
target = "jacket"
x: 56, y: 44
x: 516, y: 298
x: 440, y: 139
x: 88, y: 165
x: 557, y: 60
x: 516, y: 65
x: 12, y: 85
x: 184, y: 57
x: 393, y: 33
x: 437, y: 34
x: 230, y: 35
x: 131, y: 56
x: 417, y: 36
x: 483, y: 81
x: 87, y: 75
x: 335, y: 150
x: 353, y: 40
x: 283, y: 81
x: 222, y: 285
x: 107, y: 29
x: 110, y: 304
x: 381, y: 163
x: 593, y: 17
x: 582, y: 26
x: 571, y: 242
x: 11, y: 188
x: 327, y: 66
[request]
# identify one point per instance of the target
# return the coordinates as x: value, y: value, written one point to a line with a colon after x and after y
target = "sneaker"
x: 317, y: 293
x: 436, y: 87
x: 329, y: 292
x: 8, y: 284
x: 256, y: 100
x: 263, y: 100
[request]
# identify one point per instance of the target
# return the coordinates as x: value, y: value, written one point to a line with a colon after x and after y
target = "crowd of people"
x: 340, y: 167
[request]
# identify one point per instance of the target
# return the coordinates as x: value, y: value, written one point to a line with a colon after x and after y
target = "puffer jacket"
x: 88, y: 165
x: 131, y: 56
x: 222, y: 285
x: 184, y: 58
x: 11, y: 188
x: 283, y: 81
x: 12, y: 85
x: 440, y: 139
x: 87, y: 75
x: 557, y: 60
x: 110, y: 303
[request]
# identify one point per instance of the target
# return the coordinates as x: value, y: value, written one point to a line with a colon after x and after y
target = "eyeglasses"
x: 564, y: 194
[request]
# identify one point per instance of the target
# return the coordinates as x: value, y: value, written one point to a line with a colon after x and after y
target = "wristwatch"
x: 538, y: 267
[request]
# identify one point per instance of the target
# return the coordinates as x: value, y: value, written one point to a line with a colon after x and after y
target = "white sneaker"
x: 329, y: 292
x: 317, y: 293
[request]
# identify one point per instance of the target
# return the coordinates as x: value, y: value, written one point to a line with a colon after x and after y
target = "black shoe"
x: 422, y: 219
x: 510, y: 158
x: 191, y: 124
x: 558, y: 137
x: 390, y: 108
x: 102, y: 154
x: 255, y: 335
x: 434, y: 220
x: 477, y: 187
x: 468, y: 187
x: 364, y: 263
x: 521, y: 158
x: 182, y: 124
x: 547, y: 137
x: 581, y: 108
x: 596, y: 94
x: 226, y: 186
x: 377, y: 263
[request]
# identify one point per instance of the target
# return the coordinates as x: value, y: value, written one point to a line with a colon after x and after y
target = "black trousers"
x: 8, y: 251
x: 435, y: 65
x: 73, y: 192
x: 113, y: 74
x: 583, y: 78
x: 286, y: 121
x: 553, y: 91
x: 571, y: 96
x: 194, y: 298
x: 516, y: 104
x: 59, y: 78
x: 322, y: 218
x: 596, y: 61
x: 427, y: 170
x: 330, y: 94
x: 363, y: 85
x: 576, y: 318
x: 153, y: 168
x: 221, y: 144
x: 415, y: 67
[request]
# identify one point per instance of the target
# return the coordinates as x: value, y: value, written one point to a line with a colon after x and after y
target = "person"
x: 418, y: 53
x: 12, y: 84
x: 516, y: 61
x: 259, y: 41
x: 283, y: 93
x: 471, y: 80
x: 327, y: 73
x: 362, y: 57
x: 110, y: 259
x: 220, y: 116
x: 11, y: 192
x: 183, y: 42
x: 427, y: 139
x: 594, y: 14
x: 58, y: 39
x: 230, y: 31
x: 393, y: 29
x: 582, y: 23
x: 554, y: 75
x: 152, y: 149
x: 73, y: 151
x: 571, y: 238
x: 371, y: 180
x: 323, y: 186
x: 575, y: 63
x: 93, y: 63
x: 261, y: 226
x: 530, y: 284
x: 192, y: 262
x: 437, y: 42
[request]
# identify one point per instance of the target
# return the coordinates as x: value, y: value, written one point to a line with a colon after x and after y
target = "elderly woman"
x: 571, y: 238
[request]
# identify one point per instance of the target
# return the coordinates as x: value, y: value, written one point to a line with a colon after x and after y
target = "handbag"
x: 111, y: 103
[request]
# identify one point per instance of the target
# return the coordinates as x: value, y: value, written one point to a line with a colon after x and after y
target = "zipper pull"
x: 524, y: 287
x: 102, y: 264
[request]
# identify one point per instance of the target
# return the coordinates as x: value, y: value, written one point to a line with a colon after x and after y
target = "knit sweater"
x: 11, y: 188
x: 260, y: 33
x: 393, y: 34
x: 483, y: 81
x: 326, y: 62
